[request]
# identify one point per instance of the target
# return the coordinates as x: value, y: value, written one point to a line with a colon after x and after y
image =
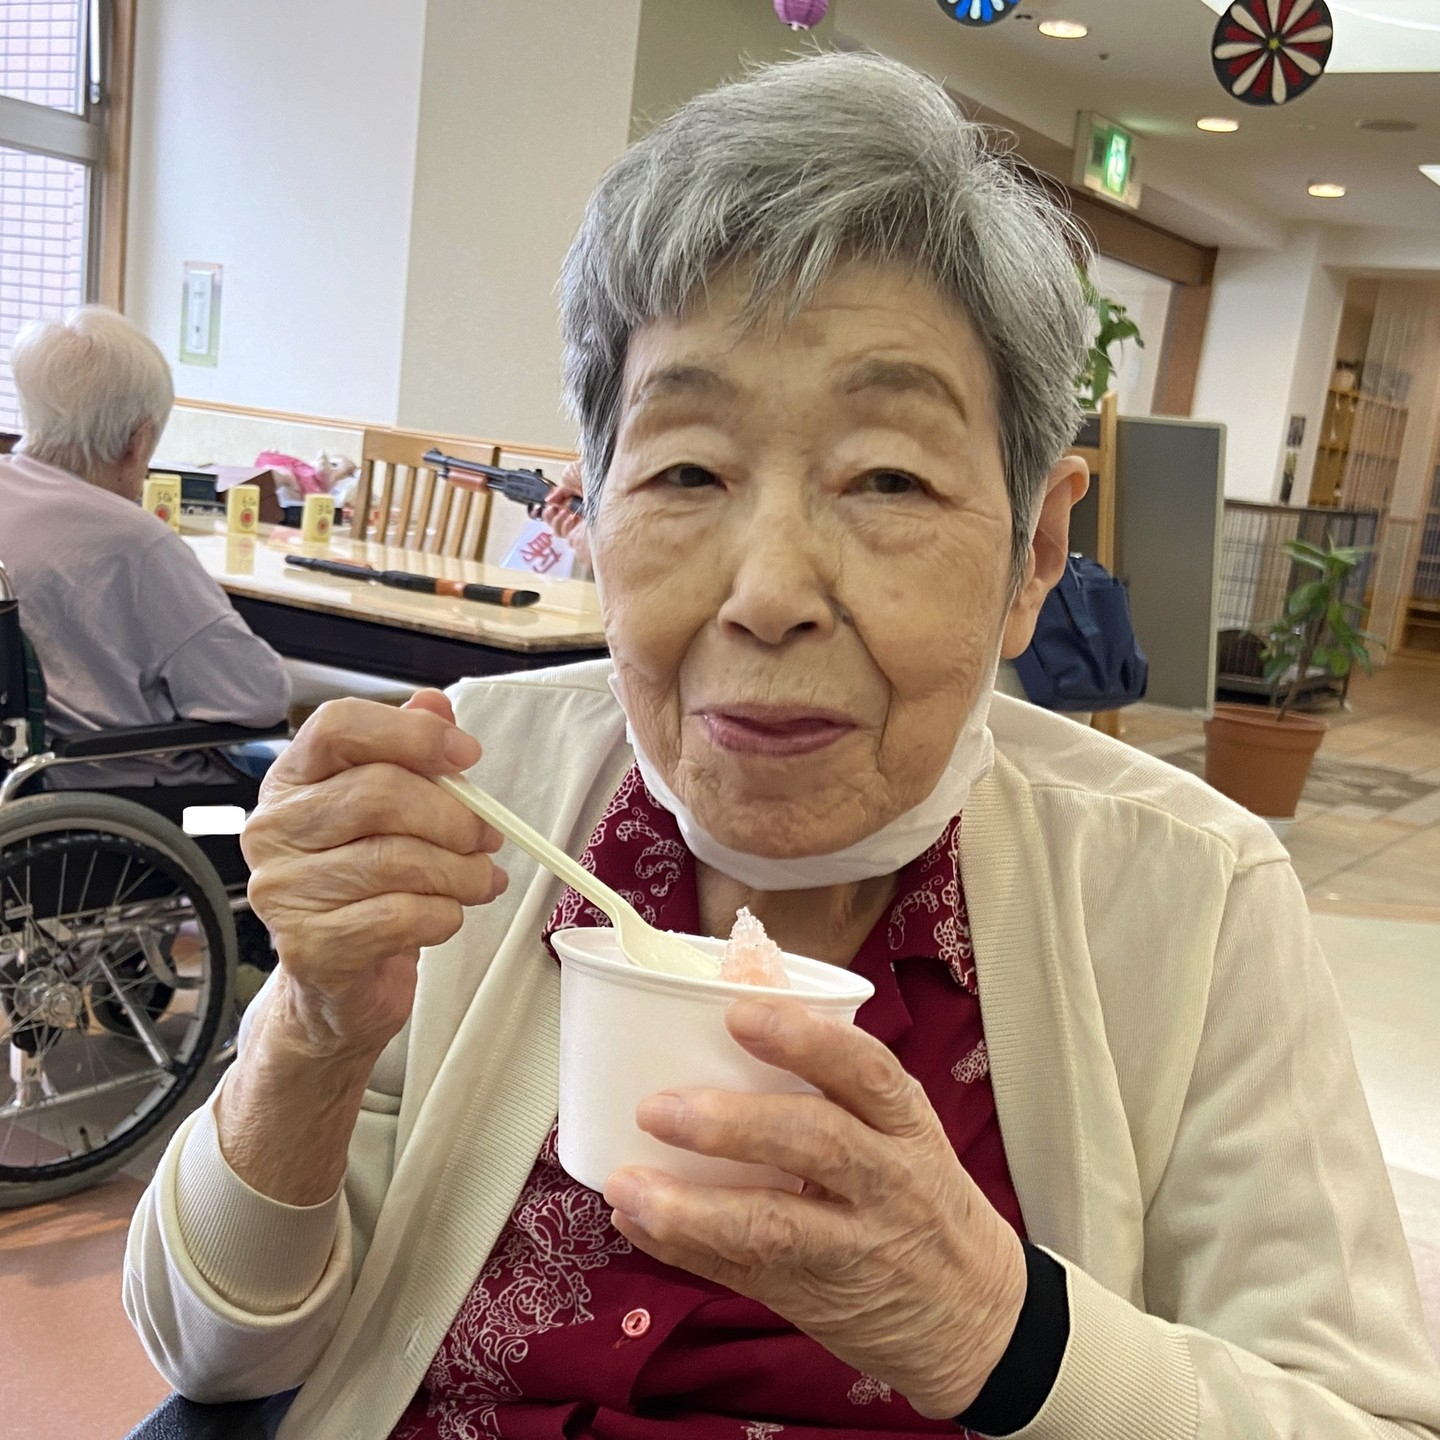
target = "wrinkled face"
x: 803, y: 548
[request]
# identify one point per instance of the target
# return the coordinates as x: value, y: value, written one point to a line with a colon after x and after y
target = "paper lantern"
x: 979, y: 12
x: 1268, y: 52
x: 801, y: 14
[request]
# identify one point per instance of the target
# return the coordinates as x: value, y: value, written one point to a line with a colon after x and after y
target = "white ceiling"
x: 1146, y: 63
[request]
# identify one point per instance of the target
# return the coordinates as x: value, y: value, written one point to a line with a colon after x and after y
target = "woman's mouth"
x: 774, y: 730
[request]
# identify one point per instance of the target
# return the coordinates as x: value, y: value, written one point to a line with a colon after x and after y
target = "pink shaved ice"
x: 751, y: 956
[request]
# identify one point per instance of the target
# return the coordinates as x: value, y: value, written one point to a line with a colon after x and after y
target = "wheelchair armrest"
x: 159, y: 739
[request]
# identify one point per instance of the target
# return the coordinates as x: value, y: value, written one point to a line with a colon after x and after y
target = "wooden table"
x: 427, y: 639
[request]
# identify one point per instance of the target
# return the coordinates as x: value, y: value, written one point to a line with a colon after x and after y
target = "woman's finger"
x: 376, y: 865
x: 333, y: 944
x: 846, y: 1065
x: 803, y: 1135
x: 435, y: 702
x: 343, y: 734
x: 374, y: 799
x: 732, y: 1235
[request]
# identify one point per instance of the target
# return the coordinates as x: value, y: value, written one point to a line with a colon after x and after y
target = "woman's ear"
x: 1049, y: 548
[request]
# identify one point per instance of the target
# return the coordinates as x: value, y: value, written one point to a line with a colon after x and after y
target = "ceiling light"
x: 1064, y: 29
x: 1387, y: 127
x: 1431, y: 172
x: 1217, y: 124
x: 1326, y: 190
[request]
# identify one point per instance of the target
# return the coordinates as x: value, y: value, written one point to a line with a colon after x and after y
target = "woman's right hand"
x: 357, y: 861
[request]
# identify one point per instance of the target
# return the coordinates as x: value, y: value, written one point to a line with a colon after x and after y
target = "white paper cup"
x: 626, y: 1033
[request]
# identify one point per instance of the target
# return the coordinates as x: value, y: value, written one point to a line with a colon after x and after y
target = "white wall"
x: 278, y: 139
x: 524, y: 105
x: 1314, y: 368
x: 687, y: 48
x: 1248, y: 368
x: 1376, y: 248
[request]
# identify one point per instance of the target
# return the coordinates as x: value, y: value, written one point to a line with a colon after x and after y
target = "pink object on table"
x: 308, y: 479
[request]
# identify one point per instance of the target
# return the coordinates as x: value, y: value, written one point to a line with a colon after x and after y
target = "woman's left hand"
x: 560, y: 518
x: 891, y: 1258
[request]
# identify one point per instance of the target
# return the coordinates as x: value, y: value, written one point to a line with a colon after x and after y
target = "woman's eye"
x: 687, y: 477
x: 891, y: 482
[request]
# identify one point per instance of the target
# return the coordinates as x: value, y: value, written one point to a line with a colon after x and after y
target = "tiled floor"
x: 1368, y: 827
x: 1366, y: 844
x: 1388, y: 975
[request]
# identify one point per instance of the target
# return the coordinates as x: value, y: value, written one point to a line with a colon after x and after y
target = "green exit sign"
x: 1105, y: 160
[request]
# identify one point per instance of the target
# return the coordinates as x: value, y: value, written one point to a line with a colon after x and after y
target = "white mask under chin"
x: 889, y: 849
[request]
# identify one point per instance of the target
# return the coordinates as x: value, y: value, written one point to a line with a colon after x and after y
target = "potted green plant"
x: 1113, y: 327
x: 1262, y: 758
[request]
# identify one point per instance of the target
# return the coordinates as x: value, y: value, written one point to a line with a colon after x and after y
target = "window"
x: 50, y: 150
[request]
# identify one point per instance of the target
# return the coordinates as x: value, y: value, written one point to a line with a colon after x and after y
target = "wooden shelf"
x: 1367, y: 399
x: 1358, y: 451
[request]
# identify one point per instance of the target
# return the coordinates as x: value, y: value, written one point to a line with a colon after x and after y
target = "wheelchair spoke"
x: 137, y: 1015
x: 55, y: 1101
x: 120, y: 883
x: 89, y: 873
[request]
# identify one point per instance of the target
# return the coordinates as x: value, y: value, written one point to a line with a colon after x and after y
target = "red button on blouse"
x: 551, y: 1343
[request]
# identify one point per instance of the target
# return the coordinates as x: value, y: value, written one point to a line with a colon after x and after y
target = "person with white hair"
x: 128, y: 627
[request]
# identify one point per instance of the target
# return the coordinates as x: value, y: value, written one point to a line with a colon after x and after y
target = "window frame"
x: 98, y: 137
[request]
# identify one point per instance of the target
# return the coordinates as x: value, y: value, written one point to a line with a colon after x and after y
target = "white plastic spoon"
x: 642, y: 944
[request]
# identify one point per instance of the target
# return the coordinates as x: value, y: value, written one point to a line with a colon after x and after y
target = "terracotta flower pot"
x: 1258, y: 760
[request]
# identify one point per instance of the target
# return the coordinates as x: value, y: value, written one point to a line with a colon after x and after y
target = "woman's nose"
x: 781, y: 589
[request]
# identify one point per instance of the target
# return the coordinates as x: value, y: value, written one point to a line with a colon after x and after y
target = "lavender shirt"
x: 129, y: 628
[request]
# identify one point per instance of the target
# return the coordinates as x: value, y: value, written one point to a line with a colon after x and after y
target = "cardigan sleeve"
x: 235, y: 1295
x: 1280, y: 1299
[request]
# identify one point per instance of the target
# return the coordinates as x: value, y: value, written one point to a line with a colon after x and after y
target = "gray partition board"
x: 1169, y: 504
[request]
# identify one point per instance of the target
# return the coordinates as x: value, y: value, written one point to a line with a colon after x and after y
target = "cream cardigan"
x: 1174, y: 1082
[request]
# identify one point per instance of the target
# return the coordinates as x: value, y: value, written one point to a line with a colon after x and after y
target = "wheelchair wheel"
x: 117, y: 966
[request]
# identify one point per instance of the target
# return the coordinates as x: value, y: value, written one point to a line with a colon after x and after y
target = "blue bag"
x: 1084, y: 655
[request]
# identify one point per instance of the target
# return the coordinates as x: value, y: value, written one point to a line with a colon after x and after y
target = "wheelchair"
x: 119, y: 937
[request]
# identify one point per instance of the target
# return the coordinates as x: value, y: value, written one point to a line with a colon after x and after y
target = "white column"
x: 1268, y: 350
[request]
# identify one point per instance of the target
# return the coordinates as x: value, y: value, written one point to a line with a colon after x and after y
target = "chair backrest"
x: 401, y: 501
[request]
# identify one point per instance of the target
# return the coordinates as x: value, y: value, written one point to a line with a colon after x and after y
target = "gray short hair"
x: 86, y: 384
x: 801, y: 166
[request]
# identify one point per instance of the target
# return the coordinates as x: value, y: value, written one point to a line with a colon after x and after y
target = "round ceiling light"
x: 1326, y: 190
x: 1387, y: 127
x: 1217, y: 124
x: 1064, y: 29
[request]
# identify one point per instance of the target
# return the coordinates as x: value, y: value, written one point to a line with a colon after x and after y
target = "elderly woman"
x: 1094, y: 1161
x: 129, y: 628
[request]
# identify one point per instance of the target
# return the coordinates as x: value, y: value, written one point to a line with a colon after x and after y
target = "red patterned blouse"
x: 570, y: 1333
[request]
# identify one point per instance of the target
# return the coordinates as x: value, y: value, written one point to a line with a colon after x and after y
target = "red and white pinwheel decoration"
x: 1266, y: 52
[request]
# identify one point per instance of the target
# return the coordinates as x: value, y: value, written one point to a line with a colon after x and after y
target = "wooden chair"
x: 402, y: 501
